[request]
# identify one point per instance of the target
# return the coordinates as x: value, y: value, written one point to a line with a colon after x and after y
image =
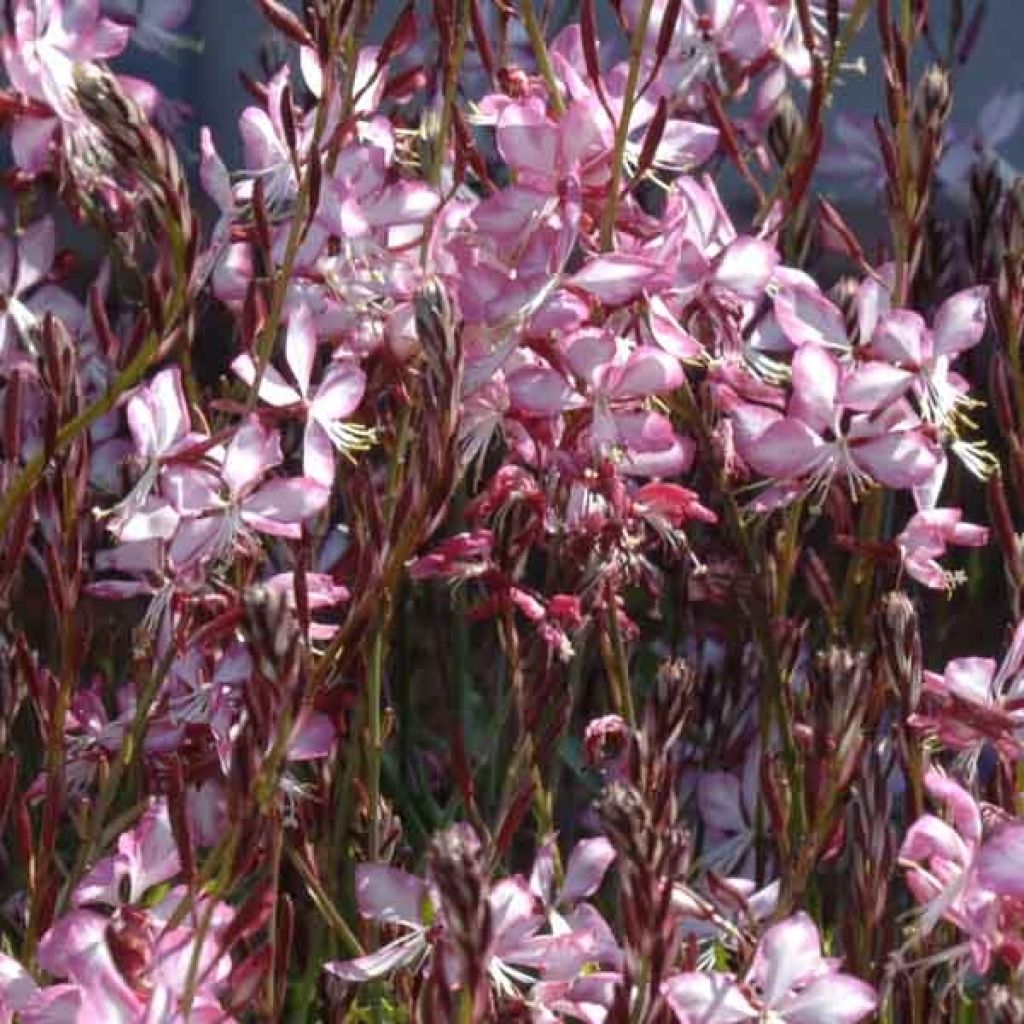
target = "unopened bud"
x: 899, y: 643
x: 934, y: 97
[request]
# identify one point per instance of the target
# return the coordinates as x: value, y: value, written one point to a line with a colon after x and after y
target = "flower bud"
x: 899, y: 644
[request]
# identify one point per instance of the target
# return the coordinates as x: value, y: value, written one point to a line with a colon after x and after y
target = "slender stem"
x: 322, y: 900
x: 619, y: 667
x: 374, y: 741
x: 540, y: 54
x: 453, y: 67
x: 629, y: 97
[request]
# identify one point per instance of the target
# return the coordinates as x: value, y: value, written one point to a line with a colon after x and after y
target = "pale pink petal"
x: 589, y: 353
x: 403, y: 203
x: 874, y: 297
x: 966, y: 815
x: 539, y: 391
x: 380, y: 963
x: 340, y: 392
x: 711, y: 998
x: 36, y: 248
x: 155, y: 519
x: 280, y: 506
x: 17, y: 986
x: 274, y: 389
x: 653, y: 447
x: 667, y: 332
x: 970, y: 535
x: 616, y: 278
x: 1000, y: 862
x: 648, y: 371
x: 300, y: 346
x: 542, y: 874
x: 389, y: 895
x: 55, y: 1004
x: 31, y: 142
x: 588, y: 863
x: 312, y: 737
x: 584, y: 132
x: 318, y: 462
x: 749, y: 422
x: 745, y: 268
x: 788, y: 954
x: 528, y: 140
x: 101, y: 884
x: 587, y: 998
x: 263, y: 149
x: 970, y: 679
x: 149, y: 852
x: 312, y: 71
x: 899, y: 337
x: 250, y: 454
x: 815, y: 387
x: 196, y: 539
x: 686, y: 144
x: 76, y: 948
x: 190, y: 490
x: 787, y: 449
x: 960, y: 321
x: 167, y: 395
x: 833, y: 999
x: 558, y: 956
x: 872, y: 384
x: 213, y: 174
x: 806, y: 317
x: 901, y: 459
x: 515, y: 914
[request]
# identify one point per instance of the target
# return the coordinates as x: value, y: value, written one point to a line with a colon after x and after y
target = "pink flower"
x: 789, y: 980
x: 325, y: 408
x: 26, y: 263
x: 924, y: 540
x: 816, y: 440
x: 902, y: 354
x: 123, y: 962
x: 612, y: 379
x: 728, y: 808
x: 941, y: 863
x: 976, y: 701
x: 212, y: 522
x: 50, y: 38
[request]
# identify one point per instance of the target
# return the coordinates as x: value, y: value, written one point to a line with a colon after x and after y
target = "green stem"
x: 541, y: 56
x: 451, y: 84
x: 629, y: 97
x: 322, y: 900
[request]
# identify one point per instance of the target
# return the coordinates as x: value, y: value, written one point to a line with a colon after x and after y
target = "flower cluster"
x: 492, y: 555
